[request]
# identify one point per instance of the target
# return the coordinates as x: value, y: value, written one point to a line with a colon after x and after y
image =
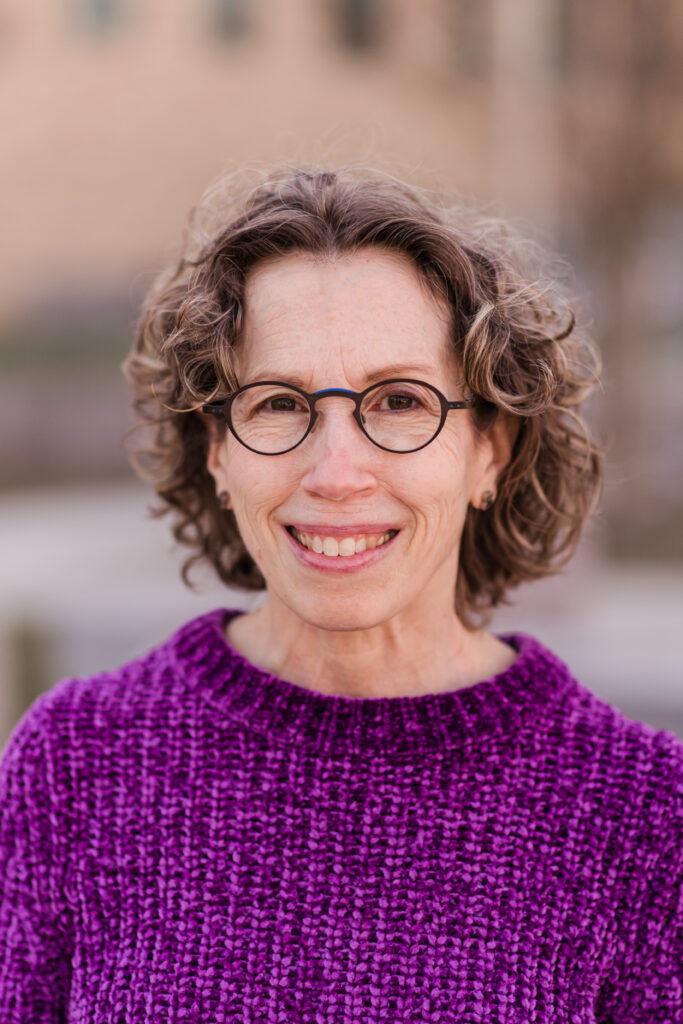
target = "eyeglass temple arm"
x: 213, y: 409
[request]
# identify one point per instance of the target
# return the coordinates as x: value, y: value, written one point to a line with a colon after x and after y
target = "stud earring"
x: 223, y: 500
x: 486, y: 500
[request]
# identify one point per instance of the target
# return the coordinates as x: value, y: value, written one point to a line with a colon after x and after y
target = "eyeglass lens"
x: 400, y: 416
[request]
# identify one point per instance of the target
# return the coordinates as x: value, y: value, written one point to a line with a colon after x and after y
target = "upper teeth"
x: 345, y: 547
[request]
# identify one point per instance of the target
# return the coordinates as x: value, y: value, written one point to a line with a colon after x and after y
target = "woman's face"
x: 334, y: 324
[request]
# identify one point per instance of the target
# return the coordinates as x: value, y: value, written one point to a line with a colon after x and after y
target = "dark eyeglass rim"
x: 222, y: 409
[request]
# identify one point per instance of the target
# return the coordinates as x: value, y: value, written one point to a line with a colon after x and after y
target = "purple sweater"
x: 190, y: 839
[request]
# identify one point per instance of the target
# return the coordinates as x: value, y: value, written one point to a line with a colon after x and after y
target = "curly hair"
x: 514, y: 336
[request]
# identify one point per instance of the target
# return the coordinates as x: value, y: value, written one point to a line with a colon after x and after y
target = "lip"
x: 350, y: 563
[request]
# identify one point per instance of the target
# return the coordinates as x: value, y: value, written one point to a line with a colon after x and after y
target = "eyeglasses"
x: 271, y: 417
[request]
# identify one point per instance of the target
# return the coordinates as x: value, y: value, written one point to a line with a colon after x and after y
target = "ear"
x: 497, y: 442
x: 215, y: 460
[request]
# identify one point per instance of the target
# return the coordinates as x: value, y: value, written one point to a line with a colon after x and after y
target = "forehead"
x: 352, y: 312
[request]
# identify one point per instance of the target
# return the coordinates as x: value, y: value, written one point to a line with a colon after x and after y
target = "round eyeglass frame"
x: 223, y: 410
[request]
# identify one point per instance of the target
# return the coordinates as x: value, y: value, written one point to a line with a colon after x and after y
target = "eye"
x: 403, y: 401
x: 397, y: 402
x: 282, y: 403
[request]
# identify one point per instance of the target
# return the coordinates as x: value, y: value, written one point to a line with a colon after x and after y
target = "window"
x: 229, y: 18
x: 97, y: 17
x: 470, y: 27
x: 565, y: 37
x: 358, y: 23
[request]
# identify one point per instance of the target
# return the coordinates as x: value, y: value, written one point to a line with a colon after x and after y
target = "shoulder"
x: 591, y: 738
x: 78, y: 710
x: 627, y: 771
x: 637, y: 754
x: 645, y: 770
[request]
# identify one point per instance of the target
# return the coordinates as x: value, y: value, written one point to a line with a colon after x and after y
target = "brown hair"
x: 514, y: 336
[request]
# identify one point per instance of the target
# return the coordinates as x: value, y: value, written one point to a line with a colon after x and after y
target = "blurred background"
x: 565, y: 115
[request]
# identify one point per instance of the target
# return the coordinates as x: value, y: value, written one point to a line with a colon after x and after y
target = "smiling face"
x: 334, y: 323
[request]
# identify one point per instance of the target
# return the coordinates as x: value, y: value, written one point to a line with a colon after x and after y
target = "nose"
x: 339, y: 454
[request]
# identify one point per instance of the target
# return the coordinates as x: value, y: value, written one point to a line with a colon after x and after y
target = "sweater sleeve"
x: 35, y: 965
x: 645, y: 985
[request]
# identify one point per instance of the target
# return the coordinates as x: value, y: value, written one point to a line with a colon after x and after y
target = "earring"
x: 223, y: 500
x: 486, y: 500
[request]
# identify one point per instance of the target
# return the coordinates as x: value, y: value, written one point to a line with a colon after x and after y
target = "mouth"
x: 341, y: 547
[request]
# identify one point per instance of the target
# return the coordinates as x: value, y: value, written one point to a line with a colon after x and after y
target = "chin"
x: 341, y: 613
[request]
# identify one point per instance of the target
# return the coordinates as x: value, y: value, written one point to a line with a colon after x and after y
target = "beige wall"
x: 108, y: 138
x: 108, y: 141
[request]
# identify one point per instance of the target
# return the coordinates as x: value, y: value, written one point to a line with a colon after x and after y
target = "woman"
x: 353, y: 803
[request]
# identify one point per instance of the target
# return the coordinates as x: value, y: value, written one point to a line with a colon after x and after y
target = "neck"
x: 408, y: 655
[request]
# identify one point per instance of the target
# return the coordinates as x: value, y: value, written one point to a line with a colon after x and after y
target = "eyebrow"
x: 394, y: 370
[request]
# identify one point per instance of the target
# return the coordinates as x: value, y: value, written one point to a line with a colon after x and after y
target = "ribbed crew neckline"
x: 336, y: 725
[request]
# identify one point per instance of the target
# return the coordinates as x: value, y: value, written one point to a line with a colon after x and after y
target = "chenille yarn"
x: 190, y: 839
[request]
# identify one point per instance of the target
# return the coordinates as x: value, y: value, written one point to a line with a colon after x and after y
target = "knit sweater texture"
x: 191, y: 839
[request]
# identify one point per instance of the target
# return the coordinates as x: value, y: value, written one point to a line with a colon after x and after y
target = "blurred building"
x: 116, y: 115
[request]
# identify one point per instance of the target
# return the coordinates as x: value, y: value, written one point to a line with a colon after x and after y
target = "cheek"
x: 442, y: 475
x: 256, y: 494
x: 435, y: 491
